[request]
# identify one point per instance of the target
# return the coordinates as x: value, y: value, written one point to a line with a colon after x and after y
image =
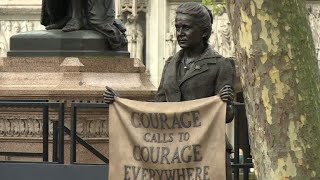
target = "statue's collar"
x: 208, y: 53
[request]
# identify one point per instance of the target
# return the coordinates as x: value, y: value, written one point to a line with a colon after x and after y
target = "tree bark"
x: 281, y: 82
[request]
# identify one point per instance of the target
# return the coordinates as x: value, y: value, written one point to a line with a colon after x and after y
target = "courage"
x: 165, y: 121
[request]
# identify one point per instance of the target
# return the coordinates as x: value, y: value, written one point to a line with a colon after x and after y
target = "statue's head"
x: 16, y: 27
x: 131, y: 18
x: 193, y: 24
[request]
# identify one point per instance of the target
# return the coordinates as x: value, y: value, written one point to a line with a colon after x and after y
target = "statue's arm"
x: 224, y: 85
x: 226, y: 95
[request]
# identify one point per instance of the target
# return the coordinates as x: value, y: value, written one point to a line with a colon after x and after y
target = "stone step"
x: 37, y: 171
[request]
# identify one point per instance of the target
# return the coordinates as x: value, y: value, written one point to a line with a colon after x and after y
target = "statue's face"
x: 16, y: 28
x: 188, y: 33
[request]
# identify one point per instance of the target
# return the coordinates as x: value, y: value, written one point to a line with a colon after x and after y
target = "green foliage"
x: 216, y: 6
x: 208, y: 2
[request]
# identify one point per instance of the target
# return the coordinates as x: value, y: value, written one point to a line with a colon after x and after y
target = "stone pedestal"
x: 65, y: 79
x: 58, y: 43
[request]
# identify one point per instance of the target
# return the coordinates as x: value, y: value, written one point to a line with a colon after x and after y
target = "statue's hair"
x: 201, y: 13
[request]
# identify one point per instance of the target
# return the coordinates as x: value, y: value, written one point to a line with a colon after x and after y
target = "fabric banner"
x: 167, y: 140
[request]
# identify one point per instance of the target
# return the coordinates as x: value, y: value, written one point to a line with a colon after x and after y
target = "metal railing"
x: 244, y: 162
x: 58, y: 137
x: 58, y: 130
x: 73, y: 131
x: 238, y: 164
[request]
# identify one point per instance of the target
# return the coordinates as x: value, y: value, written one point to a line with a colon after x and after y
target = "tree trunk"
x: 281, y: 83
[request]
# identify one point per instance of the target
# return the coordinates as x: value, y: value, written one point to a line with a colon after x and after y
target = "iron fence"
x: 241, y: 140
x: 58, y: 138
x: 241, y: 163
x: 73, y: 131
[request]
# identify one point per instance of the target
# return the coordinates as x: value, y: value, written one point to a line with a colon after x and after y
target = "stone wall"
x: 29, y: 124
x: 17, y: 16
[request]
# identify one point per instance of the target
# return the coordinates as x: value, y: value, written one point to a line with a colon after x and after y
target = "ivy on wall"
x: 216, y: 6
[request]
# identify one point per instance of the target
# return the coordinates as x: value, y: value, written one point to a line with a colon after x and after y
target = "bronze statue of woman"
x: 196, y: 71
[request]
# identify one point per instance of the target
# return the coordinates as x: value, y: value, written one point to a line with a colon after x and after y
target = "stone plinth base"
x: 65, y: 80
x: 58, y: 43
x: 72, y: 78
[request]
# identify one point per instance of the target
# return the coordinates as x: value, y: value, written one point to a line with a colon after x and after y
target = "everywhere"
x: 137, y: 173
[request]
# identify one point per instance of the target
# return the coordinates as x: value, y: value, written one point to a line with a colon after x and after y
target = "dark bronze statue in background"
x: 73, y: 15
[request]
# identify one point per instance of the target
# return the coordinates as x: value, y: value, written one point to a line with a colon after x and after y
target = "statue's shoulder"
x: 169, y: 59
x: 223, y: 60
x: 168, y: 62
x: 226, y: 63
x: 230, y: 59
x: 176, y: 57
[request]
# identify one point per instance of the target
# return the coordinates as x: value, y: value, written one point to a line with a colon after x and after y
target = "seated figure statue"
x: 73, y: 15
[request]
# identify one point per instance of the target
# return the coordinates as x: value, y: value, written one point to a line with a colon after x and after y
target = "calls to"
x: 158, y: 137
